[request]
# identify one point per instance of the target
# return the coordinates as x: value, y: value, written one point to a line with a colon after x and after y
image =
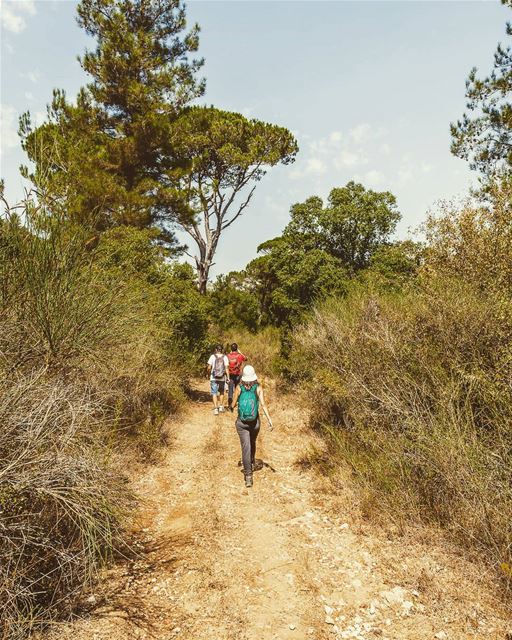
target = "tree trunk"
x: 202, y: 277
x: 203, y: 265
x: 207, y: 246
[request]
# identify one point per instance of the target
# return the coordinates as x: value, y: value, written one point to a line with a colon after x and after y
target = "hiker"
x: 249, y: 396
x: 218, y: 366
x: 235, y: 359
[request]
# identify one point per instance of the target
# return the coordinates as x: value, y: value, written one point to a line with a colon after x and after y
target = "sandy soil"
x: 282, y: 560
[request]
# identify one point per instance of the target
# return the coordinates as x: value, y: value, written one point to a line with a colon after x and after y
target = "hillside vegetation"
x: 91, y: 363
x: 415, y: 388
x: 403, y: 347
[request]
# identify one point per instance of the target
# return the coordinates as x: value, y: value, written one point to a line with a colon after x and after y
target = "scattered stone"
x: 91, y: 599
x: 394, y: 596
x: 291, y: 627
x: 329, y: 620
x: 441, y: 635
x: 328, y: 610
x: 344, y: 526
x: 407, y: 606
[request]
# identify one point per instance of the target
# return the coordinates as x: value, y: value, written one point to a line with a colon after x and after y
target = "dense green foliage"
x: 108, y: 157
x: 320, y: 251
x: 131, y: 151
x: 416, y: 395
x: 353, y: 225
x: 97, y: 341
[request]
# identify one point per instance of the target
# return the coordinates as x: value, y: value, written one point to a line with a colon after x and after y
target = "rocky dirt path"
x: 282, y: 560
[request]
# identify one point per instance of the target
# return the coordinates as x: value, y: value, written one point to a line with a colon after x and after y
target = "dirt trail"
x: 218, y: 561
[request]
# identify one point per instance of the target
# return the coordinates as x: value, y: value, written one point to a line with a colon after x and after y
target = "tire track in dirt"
x: 276, y: 562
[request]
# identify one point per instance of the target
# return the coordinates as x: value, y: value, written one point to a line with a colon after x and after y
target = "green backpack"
x: 248, y: 403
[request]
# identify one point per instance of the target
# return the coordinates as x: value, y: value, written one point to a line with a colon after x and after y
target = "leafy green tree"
x: 168, y: 288
x: 393, y: 265
x: 484, y: 135
x: 233, y: 302
x: 108, y: 155
x: 353, y: 225
x: 228, y: 154
x: 321, y: 248
x: 289, y: 281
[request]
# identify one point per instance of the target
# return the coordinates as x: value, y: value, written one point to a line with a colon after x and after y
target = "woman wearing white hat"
x: 249, y: 397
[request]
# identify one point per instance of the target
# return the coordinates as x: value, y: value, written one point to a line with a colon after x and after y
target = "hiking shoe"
x: 248, y: 481
x: 231, y: 409
x: 215, y: 412
x: 221, y: 410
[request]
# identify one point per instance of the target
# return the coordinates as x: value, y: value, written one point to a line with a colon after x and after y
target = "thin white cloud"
x: 33, y: 76
x: 360, y: 133
x: 374, y: 178
x: 315, y: 165
x: 348, y: 158
x: 13, y: 14
x: 360, y: 153
x: 405, y: 175
x: 29, y: 95
x: 8, y: 128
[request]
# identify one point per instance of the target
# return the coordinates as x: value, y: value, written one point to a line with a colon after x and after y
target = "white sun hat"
x: 248, y: 374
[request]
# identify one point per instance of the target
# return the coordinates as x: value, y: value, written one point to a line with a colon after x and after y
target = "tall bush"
x: 88, y: 367
x: 416, y: 393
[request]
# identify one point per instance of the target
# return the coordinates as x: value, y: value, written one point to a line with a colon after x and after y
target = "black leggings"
x: 248, y: 432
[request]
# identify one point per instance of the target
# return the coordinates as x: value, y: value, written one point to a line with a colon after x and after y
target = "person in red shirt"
x: 236, y: 360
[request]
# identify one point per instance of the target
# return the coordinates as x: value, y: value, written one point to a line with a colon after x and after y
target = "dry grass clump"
x: 415, y: 388
x: 85, y: 372
x: 61, y: 500
x: 261, y: 348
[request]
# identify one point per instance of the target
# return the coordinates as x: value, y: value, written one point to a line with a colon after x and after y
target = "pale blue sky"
x: 368, y: 88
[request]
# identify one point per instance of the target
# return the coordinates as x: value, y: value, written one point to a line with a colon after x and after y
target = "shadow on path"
x: 259, y: 464
x: 199, y: 396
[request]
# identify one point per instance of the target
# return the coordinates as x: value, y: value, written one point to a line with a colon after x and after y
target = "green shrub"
x: 233, y: 302
x: 92, y: 333
x: 416, y: 395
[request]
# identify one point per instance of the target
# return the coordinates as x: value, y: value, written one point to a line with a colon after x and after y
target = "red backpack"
x: 235, y: 359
